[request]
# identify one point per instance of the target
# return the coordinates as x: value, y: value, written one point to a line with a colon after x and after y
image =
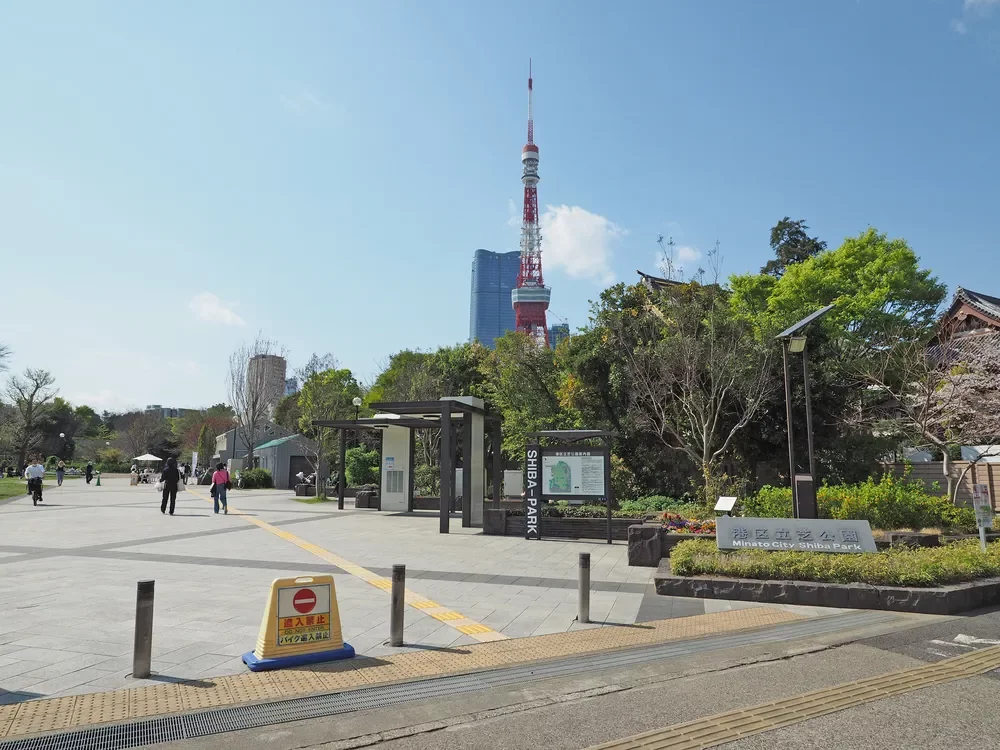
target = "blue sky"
x: 176, y: 176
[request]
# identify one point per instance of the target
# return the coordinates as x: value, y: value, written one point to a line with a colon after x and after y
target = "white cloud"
x: 579, y: 242
x: 959, y: 27
x: 514, y: 218
x: 303, y: 102
x: 102, y: 400
x: 206, y: 306
x: 980, y: 4
x: 685, y: 258
x: 685, y: 254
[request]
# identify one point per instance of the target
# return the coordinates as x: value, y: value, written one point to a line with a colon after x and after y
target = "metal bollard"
x: 583, y: 613
x: 141, y: 652
x: 397, y: 600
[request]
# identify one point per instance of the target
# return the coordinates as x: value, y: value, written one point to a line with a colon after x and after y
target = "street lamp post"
x: 793, y: 341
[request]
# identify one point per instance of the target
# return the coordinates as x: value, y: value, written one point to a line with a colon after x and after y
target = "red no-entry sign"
x: 304, y: 601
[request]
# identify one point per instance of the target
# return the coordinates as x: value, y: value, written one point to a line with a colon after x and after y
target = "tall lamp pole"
x: 793, y: 341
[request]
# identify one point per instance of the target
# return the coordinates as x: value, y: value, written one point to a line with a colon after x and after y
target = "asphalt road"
x: 946, y: 638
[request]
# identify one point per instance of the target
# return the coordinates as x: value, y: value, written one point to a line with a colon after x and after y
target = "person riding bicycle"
x: 34, y: 474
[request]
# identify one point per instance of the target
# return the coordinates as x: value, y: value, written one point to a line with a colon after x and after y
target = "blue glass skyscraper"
x: 494, y: 275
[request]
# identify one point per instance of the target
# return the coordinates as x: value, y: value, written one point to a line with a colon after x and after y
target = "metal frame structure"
x: 446, y: 415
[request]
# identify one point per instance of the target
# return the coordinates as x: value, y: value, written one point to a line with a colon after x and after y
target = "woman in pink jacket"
x: 220, y: 481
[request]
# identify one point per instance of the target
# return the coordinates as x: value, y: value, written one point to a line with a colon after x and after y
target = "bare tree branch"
x: 249, y: 394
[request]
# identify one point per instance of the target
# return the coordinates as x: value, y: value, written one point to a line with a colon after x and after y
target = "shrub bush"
x: 660, y: 504
x: 888, y: 503
x: 900, y: 566
x: 361, y: 466
x: 257, y: 479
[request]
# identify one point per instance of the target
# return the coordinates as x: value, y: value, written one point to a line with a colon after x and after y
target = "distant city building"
x: 165, y: 412
x: 267, y: 372
x: 557, y: 333
x: 291, y: 386
x: 494, y: 275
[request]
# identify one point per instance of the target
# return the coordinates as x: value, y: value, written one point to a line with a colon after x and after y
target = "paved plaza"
x: 68, y: 572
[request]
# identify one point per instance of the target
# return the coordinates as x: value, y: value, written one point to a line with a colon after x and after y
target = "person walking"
x: 170, y: 478
x: 60, y: 472
x: 220, y: 483
x: 89, y: 472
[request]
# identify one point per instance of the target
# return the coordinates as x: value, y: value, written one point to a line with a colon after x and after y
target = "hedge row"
x: 900, y: 566
x: 888, y: 503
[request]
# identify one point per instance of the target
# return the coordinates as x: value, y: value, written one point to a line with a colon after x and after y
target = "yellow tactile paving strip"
x: 131, y: 703
x: 734, y: 725
x: 461, y: 623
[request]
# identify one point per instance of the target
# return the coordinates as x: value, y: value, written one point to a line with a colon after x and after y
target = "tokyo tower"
x: 530, y: 296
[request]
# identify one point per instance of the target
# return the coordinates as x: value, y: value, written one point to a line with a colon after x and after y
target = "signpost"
x: 301, y: 625
x: 725, y: 505
x: 532, y: 490
x: 784, y: 534
x: 983, y: 505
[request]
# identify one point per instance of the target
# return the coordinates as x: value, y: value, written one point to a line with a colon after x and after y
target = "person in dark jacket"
x: 170, y: 477
x: 89, y: 471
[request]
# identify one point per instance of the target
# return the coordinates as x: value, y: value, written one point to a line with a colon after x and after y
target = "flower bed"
x: 900, y: 566
x: 677, y: 524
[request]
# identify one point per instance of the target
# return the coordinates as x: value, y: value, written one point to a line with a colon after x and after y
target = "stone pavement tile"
x: 197, y: 667
x: 67, y: 681
x: 80, y: 661
x: 44, y: 655
x: 185, y: 653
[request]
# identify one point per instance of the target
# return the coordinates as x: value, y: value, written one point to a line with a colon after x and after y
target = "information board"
x: 783, y: 534
x: 573, y: 473
x: 983, y: 505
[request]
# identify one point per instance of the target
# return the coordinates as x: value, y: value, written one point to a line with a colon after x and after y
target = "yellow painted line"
x: 743, y: 722
x: 480, y: 632
x: 73, y: 712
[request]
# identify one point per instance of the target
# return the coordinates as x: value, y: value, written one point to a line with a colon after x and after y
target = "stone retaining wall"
x: 500, y: 523
x: 943, y: 600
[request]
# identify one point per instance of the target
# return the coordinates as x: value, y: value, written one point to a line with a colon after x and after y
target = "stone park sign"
x: 784, y: 534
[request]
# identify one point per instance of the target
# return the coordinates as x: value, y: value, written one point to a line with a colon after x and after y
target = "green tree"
x: 427, y: 376
x: 791, y: 245
x: 326, y: 395
x: 288, y: 413
x: 206, y: 446
x: 59, y: 419
x: 876, y: 285
x: 699, y: 374
x: 520, y: 381
x: 89, y: 421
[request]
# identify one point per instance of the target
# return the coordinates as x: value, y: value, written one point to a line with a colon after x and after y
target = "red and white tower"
x: 530, y: 298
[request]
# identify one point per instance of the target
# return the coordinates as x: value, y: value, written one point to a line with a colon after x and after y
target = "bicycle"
x: 35, y: 485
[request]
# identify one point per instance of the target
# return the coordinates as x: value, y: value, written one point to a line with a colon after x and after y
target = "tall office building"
x: 494, y: 275
x: 557, y: 333
x: 266, y: 372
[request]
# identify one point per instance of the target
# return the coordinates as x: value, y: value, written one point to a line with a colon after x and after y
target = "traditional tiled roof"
x: 654, y: 283
x: 984, y: 303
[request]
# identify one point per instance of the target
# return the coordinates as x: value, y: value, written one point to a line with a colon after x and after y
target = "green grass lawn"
x: 14, y: 488
x: 17, y: 487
